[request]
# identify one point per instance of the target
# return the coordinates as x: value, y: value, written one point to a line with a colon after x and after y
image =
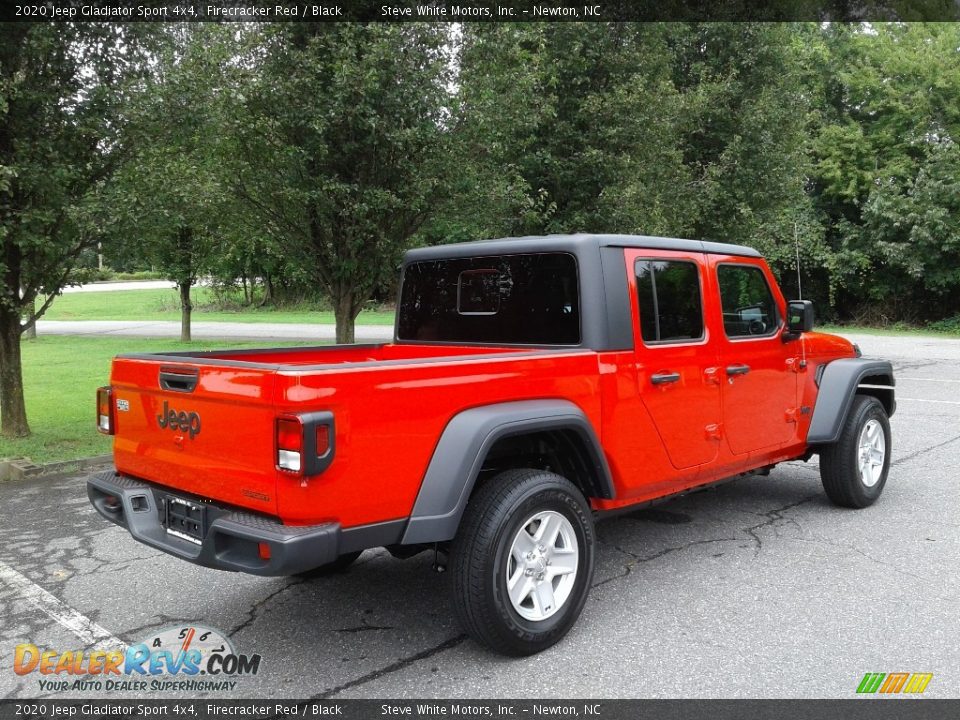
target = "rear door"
x: 759, y: 369
x: 677, y: 370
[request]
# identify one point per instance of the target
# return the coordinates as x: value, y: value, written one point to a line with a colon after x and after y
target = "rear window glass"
x: 668, y: 293
x: 511, y: 299
x: 478, y: 292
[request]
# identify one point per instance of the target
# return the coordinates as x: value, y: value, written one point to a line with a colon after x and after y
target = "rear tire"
x: 854, y: 469
x: 522, y: 561
x: 331, y: 568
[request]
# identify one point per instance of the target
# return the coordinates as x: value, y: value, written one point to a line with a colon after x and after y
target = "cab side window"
x: 747, y: 303
x: 668, y: 294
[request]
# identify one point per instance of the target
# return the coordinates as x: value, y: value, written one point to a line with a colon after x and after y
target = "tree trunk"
x: 267, y: 289
x: 345, y: 310
x: 30, y: 330
x: 185, y: 309
x: 13, y: 410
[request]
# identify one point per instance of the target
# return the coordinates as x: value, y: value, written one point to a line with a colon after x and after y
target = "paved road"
x: 307, y: 332
x: 758, y: 588
x: 122, y: 285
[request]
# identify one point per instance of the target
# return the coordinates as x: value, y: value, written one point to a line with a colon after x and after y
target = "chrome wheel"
x: 872, y: 450
x: 542, y: 566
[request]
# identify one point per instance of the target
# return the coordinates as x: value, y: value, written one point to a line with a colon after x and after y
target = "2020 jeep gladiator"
x: 533, y: 385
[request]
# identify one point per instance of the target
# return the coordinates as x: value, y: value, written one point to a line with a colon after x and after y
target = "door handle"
x: 737, y: 369
x: 664, y: 378
x: 179, y: 380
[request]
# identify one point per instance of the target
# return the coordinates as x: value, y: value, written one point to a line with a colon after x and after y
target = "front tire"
x: 522, y: 561
x: 854, y: 469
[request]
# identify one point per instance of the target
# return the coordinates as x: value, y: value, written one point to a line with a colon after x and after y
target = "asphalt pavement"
x: 306, y: 332
x: 119, y: 285
x: 757, y: 588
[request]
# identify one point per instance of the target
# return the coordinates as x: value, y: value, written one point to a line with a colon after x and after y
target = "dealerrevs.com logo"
x: 188, y: 659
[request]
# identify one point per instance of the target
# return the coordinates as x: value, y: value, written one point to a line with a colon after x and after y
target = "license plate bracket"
x: 185, y: 519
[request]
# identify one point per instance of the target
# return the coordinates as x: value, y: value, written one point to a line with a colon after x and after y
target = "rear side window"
x: 748, y: 306
x: 668, y: 294
x: 528, y: 299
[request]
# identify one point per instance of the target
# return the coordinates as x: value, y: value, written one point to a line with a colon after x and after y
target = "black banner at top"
x: 479, y: 10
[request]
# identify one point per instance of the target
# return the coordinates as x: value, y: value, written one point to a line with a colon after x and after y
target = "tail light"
x: 105, y: 412
x: 290, y: 444
x: 305, y: 443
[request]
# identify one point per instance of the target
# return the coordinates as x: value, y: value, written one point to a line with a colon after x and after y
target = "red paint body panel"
x: 391, y: 404
x: 390, y: 408
x: 233, y: 451
x: 389, y: 419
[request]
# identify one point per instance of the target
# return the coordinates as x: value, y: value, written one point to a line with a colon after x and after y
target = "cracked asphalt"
x: 757, y: 588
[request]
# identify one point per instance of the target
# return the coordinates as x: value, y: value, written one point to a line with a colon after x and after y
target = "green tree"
x: 744, y: 115
x: 564, y: 127
x: 62, y: 88
x: 338, y: 131
x: 166, y: 204
x: 882, y: 148
x: 916, y: 227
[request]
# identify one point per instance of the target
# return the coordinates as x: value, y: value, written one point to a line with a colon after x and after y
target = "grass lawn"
x: 61, y: 375
x: 165, y: 305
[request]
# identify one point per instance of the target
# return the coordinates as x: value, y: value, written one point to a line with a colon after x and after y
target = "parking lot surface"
x: 757, y: 588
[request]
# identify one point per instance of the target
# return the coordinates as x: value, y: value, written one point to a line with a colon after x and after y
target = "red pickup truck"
x: 533, y: 385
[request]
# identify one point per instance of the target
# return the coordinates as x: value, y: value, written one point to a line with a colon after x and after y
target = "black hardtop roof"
x: 571, y: 243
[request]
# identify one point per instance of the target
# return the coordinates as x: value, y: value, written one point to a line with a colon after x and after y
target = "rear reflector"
x: 264, y: 550
x: 105, y: 417
x: 323, y: 440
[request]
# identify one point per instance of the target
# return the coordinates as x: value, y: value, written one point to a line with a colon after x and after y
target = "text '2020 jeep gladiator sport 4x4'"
x: 533, y: 384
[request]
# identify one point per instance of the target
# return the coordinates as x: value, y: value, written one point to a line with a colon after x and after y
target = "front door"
x: 677, y: 370
x: 759, y: 369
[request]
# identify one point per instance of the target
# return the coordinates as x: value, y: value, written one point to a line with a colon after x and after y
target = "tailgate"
x: 203, y: 429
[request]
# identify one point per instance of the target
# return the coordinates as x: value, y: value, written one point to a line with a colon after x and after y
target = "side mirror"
x: 799, y: 316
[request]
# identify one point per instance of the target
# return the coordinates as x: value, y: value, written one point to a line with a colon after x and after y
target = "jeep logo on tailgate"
x: 179, y: 420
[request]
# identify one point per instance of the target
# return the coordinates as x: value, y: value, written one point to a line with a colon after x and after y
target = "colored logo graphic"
x: 172, y: 659
x: 892, y: 683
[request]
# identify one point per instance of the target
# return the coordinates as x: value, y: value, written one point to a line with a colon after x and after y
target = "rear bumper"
x: 233, y: 538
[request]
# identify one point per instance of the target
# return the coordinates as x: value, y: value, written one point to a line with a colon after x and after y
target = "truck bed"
x: 322, y: 355
x: 390, y: 403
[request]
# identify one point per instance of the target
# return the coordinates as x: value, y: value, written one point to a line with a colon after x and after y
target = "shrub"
x: 947, y: 325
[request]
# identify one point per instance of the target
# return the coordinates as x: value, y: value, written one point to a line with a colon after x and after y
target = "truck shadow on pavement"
x: 336, y: 633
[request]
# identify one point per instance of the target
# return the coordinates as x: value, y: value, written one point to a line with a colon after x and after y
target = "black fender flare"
x: 837, y: 387
x: 463, y: 446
